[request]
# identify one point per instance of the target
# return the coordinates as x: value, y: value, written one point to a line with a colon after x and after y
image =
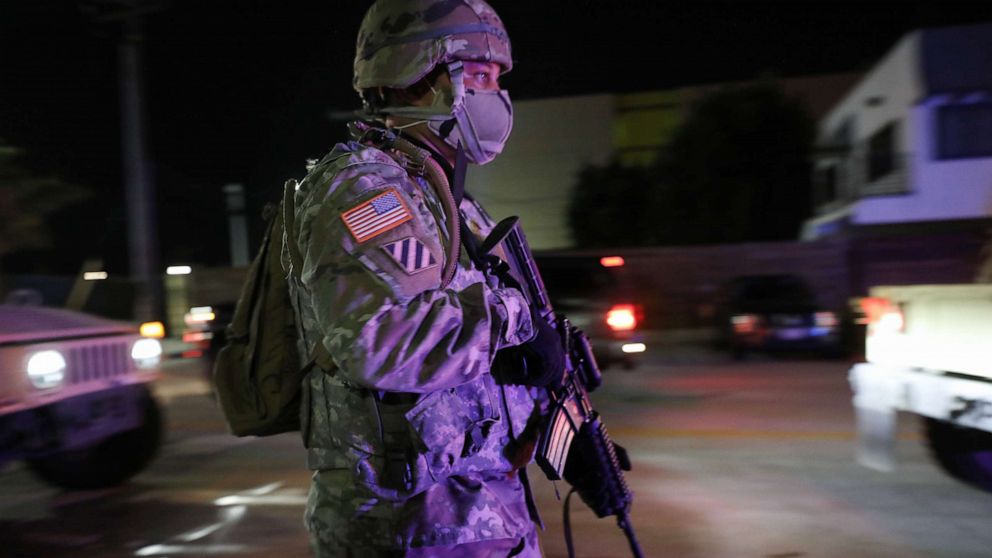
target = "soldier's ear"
x: 440, y: 78
x: 423, y: 92
x: 420, y: 93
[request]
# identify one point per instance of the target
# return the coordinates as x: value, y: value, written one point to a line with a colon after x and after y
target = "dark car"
x: 594, y: 294
x: 776, y: 312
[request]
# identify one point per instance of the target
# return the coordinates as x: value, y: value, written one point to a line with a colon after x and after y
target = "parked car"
x: 776, y: 313
x: 596, y: 296
x: 206, y: 329
x: 75, y: 398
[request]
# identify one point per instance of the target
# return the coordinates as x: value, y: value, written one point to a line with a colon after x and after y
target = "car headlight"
x: 146, y: 352
x: 200, y: 315
x: 46, y: 369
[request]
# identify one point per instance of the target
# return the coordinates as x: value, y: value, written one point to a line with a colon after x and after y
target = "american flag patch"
x: 376, y: 216
x: 556, y: 442
x: 562, y: 433
x: 411, y: 254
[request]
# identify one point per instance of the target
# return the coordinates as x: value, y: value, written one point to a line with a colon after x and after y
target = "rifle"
x: 573, y: 425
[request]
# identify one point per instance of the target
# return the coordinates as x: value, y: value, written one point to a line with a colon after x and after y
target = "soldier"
x: 418, y: 445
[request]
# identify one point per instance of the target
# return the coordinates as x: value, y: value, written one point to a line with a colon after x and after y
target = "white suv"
x: 75, y: 402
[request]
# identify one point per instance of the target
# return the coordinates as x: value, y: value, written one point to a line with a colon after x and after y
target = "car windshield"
x: 783, y: 287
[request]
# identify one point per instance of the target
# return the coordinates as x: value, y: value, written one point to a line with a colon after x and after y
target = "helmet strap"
x: 444, y: 130
x: 409, y: 125
x: 458, y: 175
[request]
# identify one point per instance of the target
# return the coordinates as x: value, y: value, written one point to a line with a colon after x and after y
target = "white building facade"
x: 911, y: 143
x: 552, y: 140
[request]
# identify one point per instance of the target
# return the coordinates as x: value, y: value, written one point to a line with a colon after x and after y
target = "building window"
x: 964, y: 130
x: 882, y: 152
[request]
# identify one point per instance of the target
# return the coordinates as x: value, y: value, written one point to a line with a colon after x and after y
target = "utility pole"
x: 142, y: 224
x: 237, y: 226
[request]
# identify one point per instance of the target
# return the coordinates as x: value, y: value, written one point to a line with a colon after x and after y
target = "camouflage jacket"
x: 411, y: 399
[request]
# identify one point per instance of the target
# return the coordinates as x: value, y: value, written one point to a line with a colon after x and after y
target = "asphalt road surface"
x: 750, y: 459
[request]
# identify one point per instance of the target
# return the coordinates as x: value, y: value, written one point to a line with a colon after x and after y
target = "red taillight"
x: 197, y: 336
x: 611, y: 261
x: 882, y: 315
x: 745, y: 323
x: 622, y: 317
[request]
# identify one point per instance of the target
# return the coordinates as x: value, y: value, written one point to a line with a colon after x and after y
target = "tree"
x: 607, y: 206
x: 26, y: 201
x: 737, y: 170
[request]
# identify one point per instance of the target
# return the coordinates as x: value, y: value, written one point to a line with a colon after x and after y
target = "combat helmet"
x: 401, y: 41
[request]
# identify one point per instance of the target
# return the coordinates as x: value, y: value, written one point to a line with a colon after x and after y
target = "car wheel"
x: 109, y: 462
x: 964, y: 453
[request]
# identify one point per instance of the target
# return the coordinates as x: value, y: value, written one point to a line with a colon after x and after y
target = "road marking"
x: 198, y: 534
x: 287, y: 497
x: 233, y: 508
x: 265, y: 495
x: 263, y: 490
x: 192, y: 549
x: 230, y: 515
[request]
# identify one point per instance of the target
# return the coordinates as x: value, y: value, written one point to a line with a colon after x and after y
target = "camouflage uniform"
x: 416, y: 448
x: 413, y: 443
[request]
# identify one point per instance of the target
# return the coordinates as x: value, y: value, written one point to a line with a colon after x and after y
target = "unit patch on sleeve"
x: 411, y: 255
x: 376, y: 216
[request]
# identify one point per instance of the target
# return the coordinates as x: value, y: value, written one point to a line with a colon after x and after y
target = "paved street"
x: 732, y: 460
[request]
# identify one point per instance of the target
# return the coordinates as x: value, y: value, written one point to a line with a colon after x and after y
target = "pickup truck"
x: 75, y: 402
x: 928, y: 351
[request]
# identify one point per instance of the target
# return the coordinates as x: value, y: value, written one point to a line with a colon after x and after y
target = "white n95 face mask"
x: 481, y: 123
x: 480, y: 120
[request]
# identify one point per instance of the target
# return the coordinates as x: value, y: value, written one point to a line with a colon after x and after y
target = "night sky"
x: 239, y: 91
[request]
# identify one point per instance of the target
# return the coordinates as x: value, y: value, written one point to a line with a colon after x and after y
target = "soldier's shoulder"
x: 351, y: 170
x: 372, y: 209
x: 350, y: 155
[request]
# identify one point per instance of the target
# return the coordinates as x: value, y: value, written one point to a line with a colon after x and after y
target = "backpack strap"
x: 289, y: 221
x: 320, y: 356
